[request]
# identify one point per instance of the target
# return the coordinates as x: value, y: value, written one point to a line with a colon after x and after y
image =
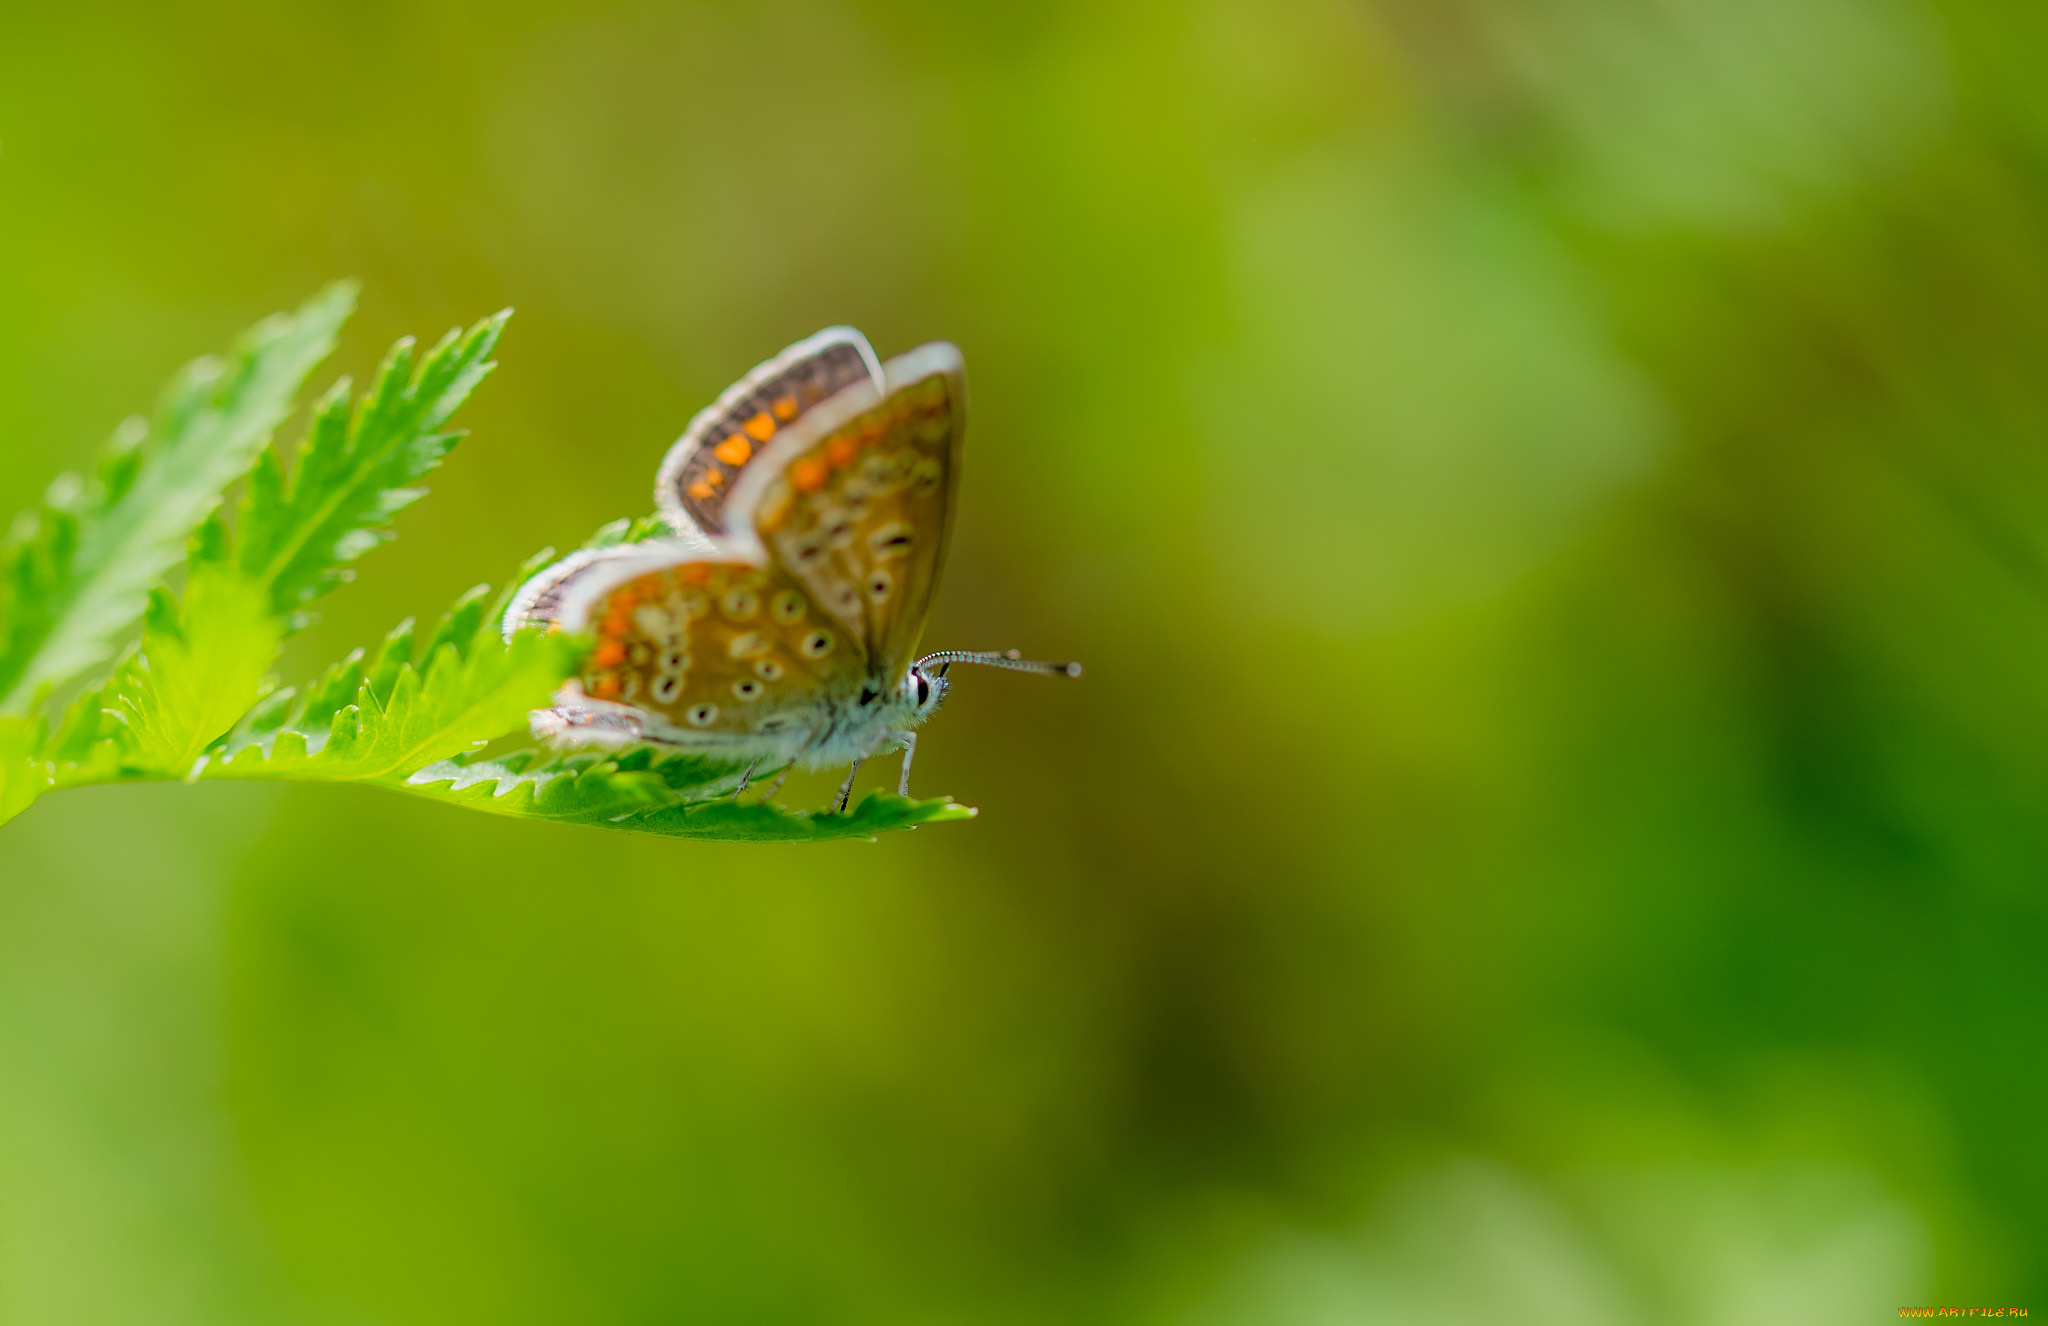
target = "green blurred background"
x: 1553, y: 498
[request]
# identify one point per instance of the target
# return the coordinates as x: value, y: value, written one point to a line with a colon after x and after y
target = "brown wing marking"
x: 860, y: 520
x: 556, y: 589
x: 723, y: 648
x: 697, y: 476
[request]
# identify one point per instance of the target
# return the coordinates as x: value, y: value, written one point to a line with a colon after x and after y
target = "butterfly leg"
x: 788, y: 767
x: 909, y: 740
x: 747, y: 777
x: 846, y: 788
x: 776, y: 786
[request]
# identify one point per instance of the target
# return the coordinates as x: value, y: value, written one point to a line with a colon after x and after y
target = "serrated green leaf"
x: 470, y: 687
x: 87, y: 723
x: 24, y: 776
x: 567, y: 791
x: 201, y: 667
x: 82, y: 567
x: 577, y: 790
x: 732, y: 822
x: 357, y: 468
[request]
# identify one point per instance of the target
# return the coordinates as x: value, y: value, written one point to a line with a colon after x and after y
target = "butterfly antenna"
x: 1007, y: 658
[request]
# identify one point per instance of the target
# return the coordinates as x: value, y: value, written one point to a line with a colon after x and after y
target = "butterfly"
x: 776, y: 621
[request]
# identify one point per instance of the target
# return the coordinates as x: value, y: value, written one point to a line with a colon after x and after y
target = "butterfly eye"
x: 768, y: 669
x: 817, y: 644
x: 879, y: 585
x: 740, y: 604
x: 746, y: 688
x: 701, y: 715
x: 924, y: 690
x: 666, y: 689
x: 787, y: 607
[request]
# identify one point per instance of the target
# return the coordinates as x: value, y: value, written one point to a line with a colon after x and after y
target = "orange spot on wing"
x: 606, y: 687
x: 608, y: 654
x: 785, y: 409
x: 700, y: 490
x: 615, y: 625
x: 734, y: 450
x: 841, y: 451
x: 694, y: 574
x: 808, y: 475
x: 760, y: 427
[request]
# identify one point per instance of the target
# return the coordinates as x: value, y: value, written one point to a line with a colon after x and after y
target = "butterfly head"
x: 926, y: 684
x: 924, y: 690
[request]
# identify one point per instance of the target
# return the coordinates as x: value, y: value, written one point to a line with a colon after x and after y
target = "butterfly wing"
x: 855, y: 503
x: 716, y: 653
x: 693, y: 488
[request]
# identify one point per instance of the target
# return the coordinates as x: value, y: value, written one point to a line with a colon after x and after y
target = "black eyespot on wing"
x: 891, y: 540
